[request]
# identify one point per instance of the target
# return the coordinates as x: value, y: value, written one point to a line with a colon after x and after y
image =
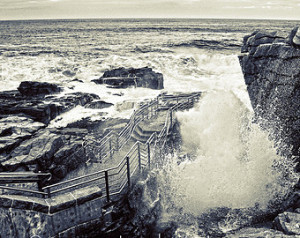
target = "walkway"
x: 70, y: 204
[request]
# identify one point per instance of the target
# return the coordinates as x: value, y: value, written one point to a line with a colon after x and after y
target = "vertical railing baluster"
x: 139, y: 156
x: 110, y: 149
x: 128, y: 171
x: 107, y: 186
x: 171, y: 118
x: 149, y: 156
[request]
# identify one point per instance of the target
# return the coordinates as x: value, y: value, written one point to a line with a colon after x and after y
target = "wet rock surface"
x: 99, y: 104
x: 288, y: 222
x: 271, y: 68
x: 31, y: 88
x: 270, y: 65
x: 124, y: 78
x: 14, y: 130
x: 41, y: 108
x: 26, y: 142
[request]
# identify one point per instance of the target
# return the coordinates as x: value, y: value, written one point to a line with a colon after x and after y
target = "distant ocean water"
x: 192, y: 54
x: 183, y: 49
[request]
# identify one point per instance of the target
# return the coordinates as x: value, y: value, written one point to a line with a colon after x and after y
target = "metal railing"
x: 112, y: 142
x: 114, y: 180
x: 21, y: 178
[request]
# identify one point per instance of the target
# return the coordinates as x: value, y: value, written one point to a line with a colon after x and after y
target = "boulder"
x: 250, y: 42
x: 123, y: 78
x: 14, y: 130
x: 288, y: 222
x: 98, y: 104
x: 31, y: 88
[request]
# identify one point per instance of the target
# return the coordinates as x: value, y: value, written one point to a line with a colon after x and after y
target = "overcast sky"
x: 45, y: 9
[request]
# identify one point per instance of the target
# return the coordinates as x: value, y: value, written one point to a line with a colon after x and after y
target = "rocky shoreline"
x: 27, y: 143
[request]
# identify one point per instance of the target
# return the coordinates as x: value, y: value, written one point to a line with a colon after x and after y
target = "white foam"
x: 234, y: 165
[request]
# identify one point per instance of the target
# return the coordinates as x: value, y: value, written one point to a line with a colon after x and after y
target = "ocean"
x: 192, y: 54
x: 234, y: 157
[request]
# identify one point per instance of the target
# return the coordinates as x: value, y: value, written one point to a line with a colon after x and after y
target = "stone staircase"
x: 146, y: 128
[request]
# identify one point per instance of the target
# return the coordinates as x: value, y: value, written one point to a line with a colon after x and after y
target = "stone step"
x: 137, y: 137
x: 145, y: 131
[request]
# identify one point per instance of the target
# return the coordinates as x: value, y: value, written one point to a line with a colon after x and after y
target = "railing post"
x: 128, y: 171
x: 171, y: 118
x: 149, y: 156
x: 139, y: 157
x: 110, y: 149
x: 107, y: 186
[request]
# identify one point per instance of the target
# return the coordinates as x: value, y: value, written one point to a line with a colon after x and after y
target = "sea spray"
x: 233, y: 165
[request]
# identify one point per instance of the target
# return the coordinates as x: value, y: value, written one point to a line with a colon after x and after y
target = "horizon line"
x: 148, y: 18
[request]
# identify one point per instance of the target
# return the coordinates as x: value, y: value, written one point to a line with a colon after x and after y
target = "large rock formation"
x: 271, y: 68
x: 123, y: 78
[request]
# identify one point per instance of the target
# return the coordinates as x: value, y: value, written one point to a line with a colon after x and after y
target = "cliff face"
x: 271, y: 68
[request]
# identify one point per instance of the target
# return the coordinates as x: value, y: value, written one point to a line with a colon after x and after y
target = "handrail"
x: 140, y: 155
x: 23, y: 190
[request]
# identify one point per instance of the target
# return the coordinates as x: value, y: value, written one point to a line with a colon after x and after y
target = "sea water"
x: 234, y: 162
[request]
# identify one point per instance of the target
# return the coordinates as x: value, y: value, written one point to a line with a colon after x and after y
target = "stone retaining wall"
x: 65, y: 215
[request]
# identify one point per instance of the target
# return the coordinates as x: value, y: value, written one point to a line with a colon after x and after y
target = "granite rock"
x: 37, y: 150
x: 288, y: 222
x: 123, y: 78
x: 32, y: 88
x: 272, y: 74
x: 98, y: 104
x: 14, y: 130
x: 40, y: 108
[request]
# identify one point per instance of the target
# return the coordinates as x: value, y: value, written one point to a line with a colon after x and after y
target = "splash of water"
x: 235, y: 162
